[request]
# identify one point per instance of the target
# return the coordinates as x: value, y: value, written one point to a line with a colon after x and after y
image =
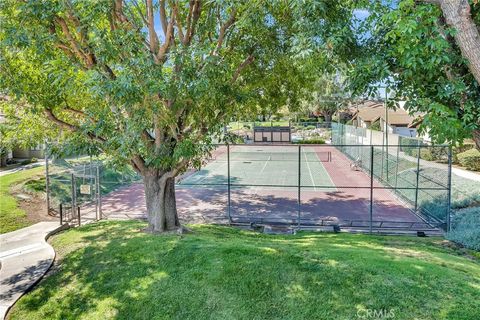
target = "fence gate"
x: 86, y: 195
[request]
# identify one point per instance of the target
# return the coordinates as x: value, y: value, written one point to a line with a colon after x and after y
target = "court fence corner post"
x: 371, y: 191
x: 229, y: 213
x: 47, y: 177
x: 74, y: 191
x: 99, y: 193
x: 418, y: 175
x: 299, y: 202
x: 449, y: 190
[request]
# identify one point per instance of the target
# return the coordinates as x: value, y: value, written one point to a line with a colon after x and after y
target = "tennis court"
x: 256, y: 167
x: 291, y: 184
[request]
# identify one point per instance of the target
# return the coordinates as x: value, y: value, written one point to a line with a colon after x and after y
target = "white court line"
x: 325, y: 170
x: 310, y: 171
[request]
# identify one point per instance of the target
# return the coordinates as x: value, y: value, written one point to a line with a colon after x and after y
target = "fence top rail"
x: 274, y: 144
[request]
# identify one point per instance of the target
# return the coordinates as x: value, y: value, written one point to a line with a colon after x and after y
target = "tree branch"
x: 178, y: 22
x: 242, y: 66
x: 51, y: 116
x: 168, y: 40
x: 223, y: 30
x: 163, y: 17
x: 152, y: 35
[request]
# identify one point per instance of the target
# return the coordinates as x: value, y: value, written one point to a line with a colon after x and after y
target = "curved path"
x: 25, y: 257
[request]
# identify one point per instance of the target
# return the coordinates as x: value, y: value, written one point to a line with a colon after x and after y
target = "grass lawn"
x: 12, y: 217
x: 112, y: 270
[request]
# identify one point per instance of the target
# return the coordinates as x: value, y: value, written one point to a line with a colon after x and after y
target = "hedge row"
x: 440, y: 154
x: 310, y: 141
x: 466, y: 228
x: 470, y: 159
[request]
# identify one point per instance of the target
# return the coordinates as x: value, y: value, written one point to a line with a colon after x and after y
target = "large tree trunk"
x: 476, y: 138
x: 457, y: 14
x: 160, y: 201
x: 327, y: 116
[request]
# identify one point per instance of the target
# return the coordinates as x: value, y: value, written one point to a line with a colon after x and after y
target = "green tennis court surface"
x: 268, y: 166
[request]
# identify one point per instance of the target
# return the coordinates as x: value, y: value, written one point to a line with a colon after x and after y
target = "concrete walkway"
x: 21, y: 168
x: 25, y: 257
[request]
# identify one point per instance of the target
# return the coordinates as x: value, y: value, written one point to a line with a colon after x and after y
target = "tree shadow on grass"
x: 223, y: 273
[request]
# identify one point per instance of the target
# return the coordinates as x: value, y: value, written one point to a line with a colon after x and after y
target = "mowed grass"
x: 11, y: 216
x: 112, y: 270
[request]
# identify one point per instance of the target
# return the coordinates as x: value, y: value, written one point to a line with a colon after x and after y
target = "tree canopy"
x: 151, y: 83
x: 413, y: 47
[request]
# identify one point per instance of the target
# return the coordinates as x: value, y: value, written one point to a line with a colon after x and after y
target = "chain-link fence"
x: 76, y: 185
x: 318, y: 185
x: 400, y: 163
x: 347, y: 184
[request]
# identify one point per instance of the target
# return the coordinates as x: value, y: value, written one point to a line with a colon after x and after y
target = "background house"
x: 18, y: 153
x: 397, y: 121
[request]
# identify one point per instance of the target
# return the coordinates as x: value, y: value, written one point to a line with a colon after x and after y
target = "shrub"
x: 466, y: 228
x: 375, y: 126
x: 459, y: 149
x: 433, y: 153
x: 310, y: 141
x: 470, y: 159
x: 33, y: 160
x: 25, y: 162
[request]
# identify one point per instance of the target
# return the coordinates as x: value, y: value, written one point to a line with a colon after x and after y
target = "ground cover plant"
x: 11, y: 216
x: 114, y: 270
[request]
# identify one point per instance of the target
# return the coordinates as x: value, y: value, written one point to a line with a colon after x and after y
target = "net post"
x: 228, y: 186
x: 299, y: 184
x: 449, y: 186
x: 418, y: 175
x: 371, y: 190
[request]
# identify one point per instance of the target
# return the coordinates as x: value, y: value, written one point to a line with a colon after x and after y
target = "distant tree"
x: 329, y: 96
x: 428, y: 53
x: 150, y: 83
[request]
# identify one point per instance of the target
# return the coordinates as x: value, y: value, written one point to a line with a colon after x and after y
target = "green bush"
x: 375, y: 126
x: 25, y: 162
x: 470, y: 159
x: 433, y: 153
x: 311, y: 141
x: 459, y: 149
x: 466, y: 228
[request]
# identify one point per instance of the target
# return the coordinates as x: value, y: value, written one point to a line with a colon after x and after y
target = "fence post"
x: 74, y: 191
x: 61, y: 214
x: 47, y: 178
x: 299, y: 203
x: 418, y: 175
x: 78, y: 215
x: 396, y: 169
x: 99, y: 194
x: 371, y: 189
x: 449, y: 186
x: 228, y: 185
